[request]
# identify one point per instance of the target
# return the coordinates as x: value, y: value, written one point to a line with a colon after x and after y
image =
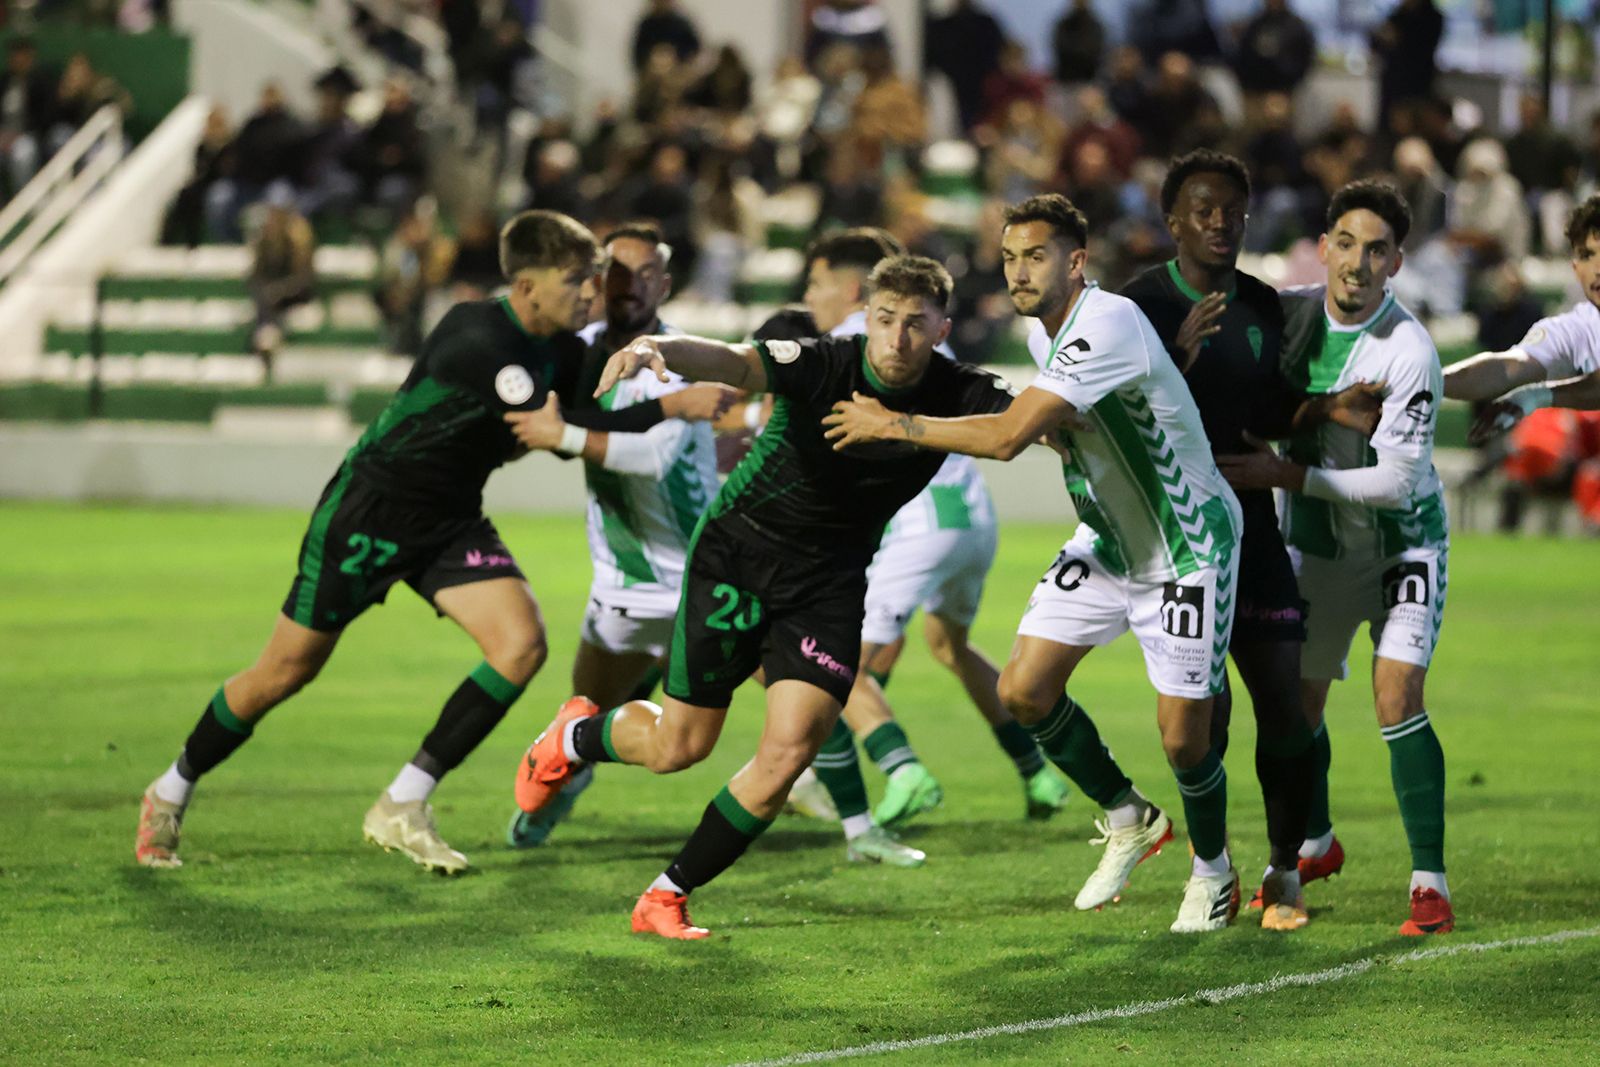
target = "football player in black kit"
x: 777, y: 570
x: 406, y: 505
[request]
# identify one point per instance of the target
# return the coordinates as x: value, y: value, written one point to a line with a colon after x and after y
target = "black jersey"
x: 1237, y: 381
x: 794, y: 488
x: 444, y: 433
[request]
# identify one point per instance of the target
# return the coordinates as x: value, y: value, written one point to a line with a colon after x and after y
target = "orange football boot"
x: 1430, y: 914
x: 661, y: 911
x: 545, y: 768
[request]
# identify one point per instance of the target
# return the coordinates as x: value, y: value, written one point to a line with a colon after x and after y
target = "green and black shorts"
x: 748, y: 601
x: 361, y: 542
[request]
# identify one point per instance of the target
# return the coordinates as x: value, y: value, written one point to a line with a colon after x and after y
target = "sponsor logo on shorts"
x: 488, y: 559
x: 1258, y: 613
x: 1405, y: 583
x: 809, y: 649
x: 1183, y: 610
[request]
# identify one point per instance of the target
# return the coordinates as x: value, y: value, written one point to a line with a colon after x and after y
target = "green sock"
x: 1320, y: 821
x: 1020, y: 746
x: 1416, y: 764
x: 1205, y: 805
x: 1068, y: 736
x: 839, y: 772
x: 889, y: 748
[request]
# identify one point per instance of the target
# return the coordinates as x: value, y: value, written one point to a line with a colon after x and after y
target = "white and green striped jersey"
x: 1324, y: 356
x: 640, y: 524
x: 1144, y: 481
x: 956, y: 499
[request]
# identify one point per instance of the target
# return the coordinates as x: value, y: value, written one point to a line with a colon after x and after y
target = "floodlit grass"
x: 285, y: 937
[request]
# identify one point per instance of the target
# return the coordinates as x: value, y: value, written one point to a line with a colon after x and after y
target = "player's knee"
x: 281, y: 677
x: 1184, y: 745
x: 943, y: 647
x: 518, y: 653
x: 678, y: 752
x: 1396, y: 704
x: 1024, y: 698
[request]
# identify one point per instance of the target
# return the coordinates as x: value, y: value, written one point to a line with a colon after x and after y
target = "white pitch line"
x: 1151, y: 1007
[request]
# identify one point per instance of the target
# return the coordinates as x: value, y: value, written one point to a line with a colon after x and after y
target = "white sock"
x: 1213, y: 868
x: 669, y: 885
x: 173, y: 787
x: 567, y: 747
x: 1312, y: 847
x: 1291, y: 880
x: 1433, y: 880
x: 412, y: 783
x: 1129, y: 813
x: 856, y: 825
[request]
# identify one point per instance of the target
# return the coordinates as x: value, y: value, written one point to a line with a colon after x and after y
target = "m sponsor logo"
x: 809, y: 649
x: 1183, y: 610
x: 514, y: 385
x: 1405, y: 583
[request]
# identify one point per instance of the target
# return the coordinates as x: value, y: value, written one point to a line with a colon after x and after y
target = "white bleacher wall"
x: 238, y: 46
x: 123, y: 214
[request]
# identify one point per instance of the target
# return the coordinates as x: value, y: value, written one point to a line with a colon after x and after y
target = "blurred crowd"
x: 42, y: 106
x: 702, y: 144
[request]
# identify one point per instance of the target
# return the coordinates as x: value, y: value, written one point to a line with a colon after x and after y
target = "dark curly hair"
x: 1584, y: 223
x: 1378, y: 197
x: 1201, y: 161
x: 1056, y: 211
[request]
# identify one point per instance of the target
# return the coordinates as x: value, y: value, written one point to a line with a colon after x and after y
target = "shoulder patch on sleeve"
x: 1535, y: 335
x: 514, y: 384
x: 783, y: 351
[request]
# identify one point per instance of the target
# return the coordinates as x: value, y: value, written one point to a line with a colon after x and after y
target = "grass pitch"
x: 286, y: 938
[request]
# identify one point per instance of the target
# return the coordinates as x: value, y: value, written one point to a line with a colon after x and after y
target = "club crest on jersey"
x: 1535, y: 335
x: 514, y: 385
x: 783, y: 351
x: 1253, y: 335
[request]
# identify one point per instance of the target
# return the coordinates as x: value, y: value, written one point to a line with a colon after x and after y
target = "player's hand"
x: 700, y: 403
x: 1202, y: 321
x: 538, y: 430
x: 1261, y: 468
x: 1359, y: 407
x: 626, y: 362
x: 1496, y: 418
x: 857, y: 421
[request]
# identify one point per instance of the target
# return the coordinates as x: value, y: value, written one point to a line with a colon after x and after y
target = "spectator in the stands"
x: 27, y: 104
x: 1487, y: 215
x: 964, y: 46
x: 1079, y: 43
x: 663, y: 24
x: 1546, y: 161
x: 81, y: 92
x: 1275, y: 53
x: 660, y: 85
x: 889, y: 123
x: 1128, y: 86
x: 787, y: 108
x: 282, y: 275
x: 1023, y: 153
x: 1176, y: 102
x: 1589, y: 165
x: 851, y: 195
x: 1097, y: 121
x: 414, y: 265
x: 1435, y: 123
x: 1275, y: 159
x: 725, y: 89
x: 475, y: 269
x: 727, y: 224
x: 554, y: 180
x: 1093, y: 187
x: 267, y: 150
x: 1012, y: 80
x: 1406, y: 44
x: 327, y: 181
x: 1426, y: 187
x: 504, y: 73
x: 1434, y: 280
x: 665, y: 194
x: 213, y: 165
x: 859, y: 24
x: 392, y: 160
x: 1507, y: 311
x: 982, y: 311
x: 1157, y: 27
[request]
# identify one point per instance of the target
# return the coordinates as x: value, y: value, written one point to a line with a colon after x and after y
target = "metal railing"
x: 65, y: 181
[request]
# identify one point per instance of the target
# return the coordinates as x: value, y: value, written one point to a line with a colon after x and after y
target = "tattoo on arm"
x: 910, y: 427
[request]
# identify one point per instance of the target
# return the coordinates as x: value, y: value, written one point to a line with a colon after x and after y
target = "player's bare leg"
x: 293, y: 656
x: 501, y: 615
x: 1416, y: 765
x: 799, y: 716
x: 1044, y: 791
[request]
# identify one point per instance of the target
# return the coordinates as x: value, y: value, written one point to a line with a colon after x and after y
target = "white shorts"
x: 617, y: 629
x: 1401, y: 598
x: 1183, y: 626
x: 942, y: 572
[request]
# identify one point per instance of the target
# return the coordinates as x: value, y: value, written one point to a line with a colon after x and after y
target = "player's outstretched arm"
x: 1002, y: 435
x: 697, y: 358
x: 1580, y: 394
x: 1491, y: 374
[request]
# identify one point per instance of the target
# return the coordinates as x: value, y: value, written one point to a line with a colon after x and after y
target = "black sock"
x: 473, y: 710
x: 725, y: 831
x: 1287, y: 781
x: 213, y: 739
x: 591, y: 738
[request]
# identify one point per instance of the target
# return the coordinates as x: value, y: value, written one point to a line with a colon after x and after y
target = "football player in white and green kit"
x: 1156, y: 548
x: 1365, y: 520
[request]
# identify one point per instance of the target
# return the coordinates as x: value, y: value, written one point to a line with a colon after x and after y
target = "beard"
x: 1027, y: 304
x: 629, y: 317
